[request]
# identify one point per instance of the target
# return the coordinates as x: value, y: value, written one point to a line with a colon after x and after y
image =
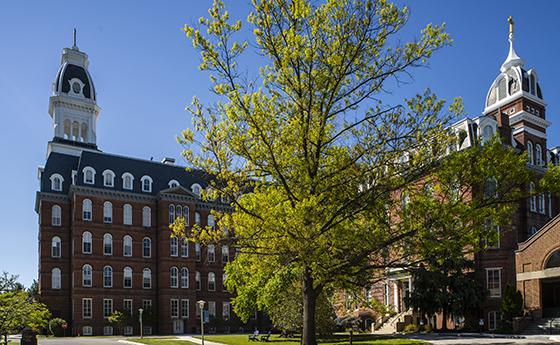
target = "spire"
x: 74, y: 46
x: 512, y: 59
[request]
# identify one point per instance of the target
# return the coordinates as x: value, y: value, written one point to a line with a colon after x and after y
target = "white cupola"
x: 73, y: 106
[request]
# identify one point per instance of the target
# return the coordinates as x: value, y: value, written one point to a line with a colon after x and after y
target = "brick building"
x: 104, y: 238
x: 516, y: 110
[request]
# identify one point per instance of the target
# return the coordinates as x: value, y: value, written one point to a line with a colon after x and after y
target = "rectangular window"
x: 107, y: 307
x: 212, y: 308
x: 127, y: 306
x: 128, y: 330
x: 185, y: 308
x: 174, y: 246
x: 86, y: 308
x: 108, y: 330
x: 184, y: 248
x: 174, y: 308
x: 494, y: 282
x: 225, y: 310
x: 147, y: 304
x: 197, y: 254
x: 87, y: 330
x: 493, y: 320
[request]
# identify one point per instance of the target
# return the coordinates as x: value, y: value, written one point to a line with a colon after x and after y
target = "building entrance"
x: 550, y: 292
x: 178, y: 326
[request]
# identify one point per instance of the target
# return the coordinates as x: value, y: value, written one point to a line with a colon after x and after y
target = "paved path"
x: 80, y: 341
x: 455, y: 340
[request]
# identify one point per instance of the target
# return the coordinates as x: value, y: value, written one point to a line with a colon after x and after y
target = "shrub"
x: 411, y: 328
x: 427, y: 328
x: 56, y: 327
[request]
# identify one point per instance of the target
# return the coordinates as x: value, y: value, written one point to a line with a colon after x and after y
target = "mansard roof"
x: 160, y: 173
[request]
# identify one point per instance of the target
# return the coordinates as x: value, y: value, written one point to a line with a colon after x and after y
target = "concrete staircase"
x: 544, y: 326
x: 390, y: 326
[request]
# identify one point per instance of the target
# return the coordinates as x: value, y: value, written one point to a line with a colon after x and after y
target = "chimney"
x: 168, y: 161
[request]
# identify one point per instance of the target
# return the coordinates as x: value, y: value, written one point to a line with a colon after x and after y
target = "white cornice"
x: 512, y: 98
x: 525, y: 116
x: 529, y: 130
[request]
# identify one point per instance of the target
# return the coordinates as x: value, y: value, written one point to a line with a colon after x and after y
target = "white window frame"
x: 87, y: 278
x: 56, y: 215
x: 532, y: 198
x: 108, y: 178
x: 174, y: 246
x: 107, y: 212
x: 211, y: 280
x: 225, y: 254
x: 107, y: 330
x: 146, y: 216
x: 56, y: 240
x: 173, y: 277
x: 541, y: 203
x: 144, y: 247
x: 186, y: 215
x: 56, y: 278
x: 184, y: 278
x: 196, y: 189
x: 538, y: 155
x: 173, y: 184
x: 184, y: 248
x: 149, y: 179
x: 125, y: 276
x: 184, y: 308
x: 494, y: 317
x: 107, y: 307
x: 127, y: 214
x: 494, y: 292
x: 124, y: 185
x: 87, y: 330
x: 87, y: 308
x: 130, y: 310
x: 174, y: 308
x: 211, y: 253
x: 197, y: 252
x: 87, y: 237
x: 110, y: 269
x: 212, y: 308
x: 106, y: 238
x: 171, y: 213
x: 87, y: 210
x: 54, y: 187
x: 198, y: 281
x: 226, y: 311
x: 85, y: 173
x: 127, y: 242
x: 149, y: 276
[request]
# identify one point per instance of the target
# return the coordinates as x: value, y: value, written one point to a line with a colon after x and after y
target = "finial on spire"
x: 513, y: 59
x: 510, y: 21
x: 74, y: 46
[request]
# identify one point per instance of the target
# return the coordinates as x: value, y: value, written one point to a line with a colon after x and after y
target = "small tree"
x: 512, y: 306
x: 118, y: 319
x: 56, y: 326
x: 18, y: 311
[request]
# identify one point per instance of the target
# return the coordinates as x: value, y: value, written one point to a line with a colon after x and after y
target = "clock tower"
x: 73, y: 105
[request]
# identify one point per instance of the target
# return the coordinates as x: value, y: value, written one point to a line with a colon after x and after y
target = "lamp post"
x: 201, y: 306
x: 140, y: 311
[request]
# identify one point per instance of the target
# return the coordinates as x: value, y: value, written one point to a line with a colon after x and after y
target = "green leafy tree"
x: 333, y: 171
x: 512, y: 306
x: 119, y: 319
x: 9, y: 282
x: 57, y: 327
x: 17, y: 311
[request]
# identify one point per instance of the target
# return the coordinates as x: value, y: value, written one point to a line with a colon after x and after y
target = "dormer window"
x: 56, y: 182
x: 195, y: 188
x: 89, y: 175
x: 146, y: 184
x: 173, y: 184
x: 108, y: 178
x: 127, y: 181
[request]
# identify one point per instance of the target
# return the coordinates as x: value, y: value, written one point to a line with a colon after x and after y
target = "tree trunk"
x: 444, y: 322
x: 310, y: 294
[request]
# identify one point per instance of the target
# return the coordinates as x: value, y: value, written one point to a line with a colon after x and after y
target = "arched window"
x: 147, y: 278
x: 56, y: 215
x: 554, y: 260
x: 538, y: 155
x: 56, y: 247
x: 211, y: 281
x: 186, y: 214
x: 211, y: 253
x: 178, y: 211
x: 107, y: 276
x: 146, y: 184
x: 184, y: 247
x: 128, y: 181
x: 196, y: 189
x: 197, y: 253
x: 174, y: 277
x: 487, y: 133
x: 86, y: 210
x: 86, y: 242
x: 89, y: 175
x: 127, y: 277
x: 86, y: 275
x: 56, y: 278
x: 185, y: 278
x: 107, y: 212
x: 146, y: 217
x: 198, y: 280
x: 146, y: 247
x: 108, y: 178
x: 174, y: 246
x: 173, y: 184
x: 107, y: 244
x: 530, y: 153
x: 532, y: 198
x: 225, y: 254
x: 171, y: 214
x: 56, y: 182
x: 541, y: 203
x: 127, y: 246
x: 127, y: 214
x: 197, y: 218
x: 211, y: 221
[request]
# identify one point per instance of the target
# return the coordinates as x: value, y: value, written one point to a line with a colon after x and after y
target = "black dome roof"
x: 70, y: 71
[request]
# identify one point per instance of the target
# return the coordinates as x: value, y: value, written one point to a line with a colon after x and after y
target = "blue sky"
x: 145, y: 72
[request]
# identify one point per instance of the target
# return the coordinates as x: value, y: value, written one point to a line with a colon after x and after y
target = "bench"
x: 265, y: 337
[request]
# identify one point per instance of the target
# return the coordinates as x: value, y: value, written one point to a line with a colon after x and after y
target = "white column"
x: 396, y: 295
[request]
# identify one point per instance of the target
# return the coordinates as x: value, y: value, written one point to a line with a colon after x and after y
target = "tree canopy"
x: 326, y: 181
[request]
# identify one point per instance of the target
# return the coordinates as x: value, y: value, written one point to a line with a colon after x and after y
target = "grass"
x: 360, y: 339
x: 161, y: 341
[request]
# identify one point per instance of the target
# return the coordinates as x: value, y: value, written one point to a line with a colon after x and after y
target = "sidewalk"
x: 179, y: 337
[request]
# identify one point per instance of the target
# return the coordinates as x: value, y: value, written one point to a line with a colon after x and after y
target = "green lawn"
x: 162, y: 341
x: 361, y: 339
